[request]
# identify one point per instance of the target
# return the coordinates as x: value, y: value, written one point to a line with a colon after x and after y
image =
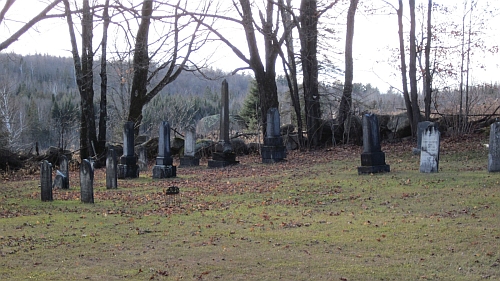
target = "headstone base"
x: 373, y: 169
x: 273, y: 154
x: 220, y: 160
x: 373, y: 158
x: 187, y: 161
x: 128, y: 171
x: 162, y: 172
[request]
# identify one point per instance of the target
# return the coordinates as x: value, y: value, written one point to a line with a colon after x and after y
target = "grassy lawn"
x: 310, y: 218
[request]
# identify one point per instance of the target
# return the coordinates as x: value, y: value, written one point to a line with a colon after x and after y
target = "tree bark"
x: 84, y: 79
x: 141, y: 66
x: 413, y: 71
x: 428, y: 74
x: 265, y: 77
x: 402, y: 55
x: 292, y: 66
x: 103, y: 113
x: 346, y: 100
x: 309, y: 45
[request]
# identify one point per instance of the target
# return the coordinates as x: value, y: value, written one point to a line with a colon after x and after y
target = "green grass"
x: 310, y: 218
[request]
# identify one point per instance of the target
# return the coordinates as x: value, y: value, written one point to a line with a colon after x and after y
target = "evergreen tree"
x: 251, y: 107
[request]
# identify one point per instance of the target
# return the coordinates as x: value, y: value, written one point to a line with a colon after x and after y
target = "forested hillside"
x: 40, y: 101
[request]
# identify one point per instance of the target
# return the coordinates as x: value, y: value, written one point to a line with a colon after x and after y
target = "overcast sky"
x: 374, y: 36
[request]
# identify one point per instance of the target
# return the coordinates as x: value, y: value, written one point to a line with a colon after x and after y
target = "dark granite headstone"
x: 190, y: 158
x: 224, y: 155
x: 429, y: 151
x: 494, y: 148
x: 128, y: 167
x: 46, y: 181
x: 111, y: 170
x: 164, y: 167
x: 273, y: 149
x: 86, y: 181
x: 372, y: 158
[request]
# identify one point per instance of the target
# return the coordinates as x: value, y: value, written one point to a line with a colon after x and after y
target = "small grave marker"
x: 429, y: 152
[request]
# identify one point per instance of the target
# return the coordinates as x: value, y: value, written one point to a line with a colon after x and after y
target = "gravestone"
x: 111, y: 170
x: 429, y: 150
x: 164, y: 167
x: 59, y: 180
x: 420, y: 130
x: 273, y: 149
x: 46, y: 181
x: 86, y: 181
x: 190, y: 158
x: 62, y: 176
x: 128, y: 167
x: 143, y: 159
x: 372, y: 158
x: 224, y: 155
x: 494, y: 148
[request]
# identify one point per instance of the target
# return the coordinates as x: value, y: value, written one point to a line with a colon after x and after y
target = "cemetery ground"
x: 309, y: 218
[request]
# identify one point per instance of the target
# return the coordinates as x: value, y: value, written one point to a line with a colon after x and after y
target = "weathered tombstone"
x: 164, y: 167
x: 372, y: 158
x: 273, y: 149
x: 223, y: 155
x: 46, y: 181
x: 143, y: 159
x: 494, y: 148
x: 190, y: 158
x: 62, y: 176
x: 429, y: 150
x: 86, y: 182
x: 111, y: 170
x: 59, y: 180
x: 128, y: 167
x: 420, y: 130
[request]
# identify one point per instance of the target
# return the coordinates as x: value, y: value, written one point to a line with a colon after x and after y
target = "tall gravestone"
x: 164, y: 167
x: 494, y: 148
x: 273, y: 149
x: 62, y: 176
x: 224, y: 154
x: 111, y: 170
x: 86, y: 181
x: 46, y: 181
x: 420, y: 130
x: 429, y: 150
x: 372, y: 158
x: 128, y: 167
x: 190, y: 158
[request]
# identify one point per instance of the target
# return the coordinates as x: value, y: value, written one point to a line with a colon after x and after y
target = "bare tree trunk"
x: 346, y: 100
x: 84, y: 79
x: 103, y: 113
x: 406, y: 95
x: 292, y: 66
x: 265, y: 77
x: 413, y: 71
x: 141, y: 66
x: 428, y: 74
x: 309, y: 43
x: 467, y: 105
